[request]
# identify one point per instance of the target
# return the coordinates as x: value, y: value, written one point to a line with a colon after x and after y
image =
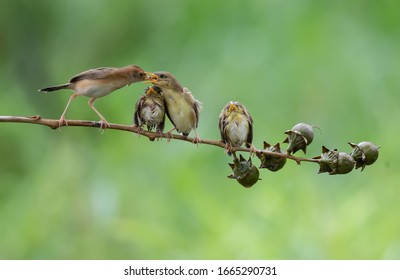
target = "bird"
x: 99, y: 82
x: 182, y: 108
x: 150, y: 110
x: 236, y: 126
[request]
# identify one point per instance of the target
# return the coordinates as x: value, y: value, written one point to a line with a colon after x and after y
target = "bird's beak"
x: 151, y: 78
x: 151, y: 91
x: 232, y: 107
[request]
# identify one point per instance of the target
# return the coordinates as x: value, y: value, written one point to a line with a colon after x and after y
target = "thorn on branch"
x: 35, y: 118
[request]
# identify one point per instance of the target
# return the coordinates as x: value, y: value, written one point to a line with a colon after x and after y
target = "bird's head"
x: 234, y: 106
x: 165, y: 80
x: 136, y: 74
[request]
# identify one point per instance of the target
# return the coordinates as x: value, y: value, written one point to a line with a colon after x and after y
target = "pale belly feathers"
x: 92, y: 88
x: 237, y: 132
x: 180, y: 111
x: 152, y: 116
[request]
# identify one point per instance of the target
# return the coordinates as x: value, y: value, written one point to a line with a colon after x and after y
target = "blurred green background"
x: 78, y: 193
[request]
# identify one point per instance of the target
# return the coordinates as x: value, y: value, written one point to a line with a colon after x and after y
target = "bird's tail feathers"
x: 199, y: 105
x: 54, y: 88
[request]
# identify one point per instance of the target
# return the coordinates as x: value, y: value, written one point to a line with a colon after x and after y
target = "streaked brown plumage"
x: 235, y: 126
x: 150, y: 110
x: 181, y: 107
x: 96, y: 83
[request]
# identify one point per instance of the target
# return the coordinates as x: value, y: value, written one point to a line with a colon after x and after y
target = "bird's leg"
x: 160, y: 133
x: 196, y: 139
x: 62, y: 119
x: 103, y: 122
x: 169, y: 134
x: 253, y: 149
x: 139, y: 128
x: 228, y: 148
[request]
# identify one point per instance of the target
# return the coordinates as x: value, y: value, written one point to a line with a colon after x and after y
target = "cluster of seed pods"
x: 298, y: 138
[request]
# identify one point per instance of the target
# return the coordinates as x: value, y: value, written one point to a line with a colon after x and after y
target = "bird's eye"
x: 163, y: 76
x: 141, y: 74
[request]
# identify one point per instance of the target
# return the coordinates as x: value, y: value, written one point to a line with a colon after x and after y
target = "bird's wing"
x: 93, y: 74
x: 138, y: 107
x: 162, y: 124
x: 197, y: 105
x: 221, y: 126
x: 250, y: 133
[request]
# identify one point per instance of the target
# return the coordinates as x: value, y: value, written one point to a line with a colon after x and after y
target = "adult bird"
x: 99, y: 82
x: 236, y: 126
x: 150, y: 110
x: 181, y: 107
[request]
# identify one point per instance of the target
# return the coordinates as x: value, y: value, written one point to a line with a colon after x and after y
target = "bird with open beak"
x: 150, y: 110
x: 236, y: 126
x: 181, y: 107
x: 99, y: 82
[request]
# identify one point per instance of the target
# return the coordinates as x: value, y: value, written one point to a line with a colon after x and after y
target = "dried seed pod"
x: 272, y: 163
x: 335, y: 162
x: 299, y: 137
x: 306, y: 130
x: 364, y: 153
x: 327, y: 160
x: 345, y: 164
x: 244, y: 172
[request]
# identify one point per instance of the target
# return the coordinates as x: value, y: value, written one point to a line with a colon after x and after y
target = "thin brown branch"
x: 53, y: 124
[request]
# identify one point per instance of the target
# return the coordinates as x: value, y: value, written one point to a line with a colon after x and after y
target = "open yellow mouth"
x: 151, y: 91
x: 232, y: 107
x: 151, y: 78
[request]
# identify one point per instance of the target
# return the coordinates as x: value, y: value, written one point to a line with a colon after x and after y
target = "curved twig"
x: 53, y: 124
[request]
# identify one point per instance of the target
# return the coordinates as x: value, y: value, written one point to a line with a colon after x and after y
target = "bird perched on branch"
x: 99, y: 82
x: 236, y: 126
x: 181, y: 107
x: 150, y: 110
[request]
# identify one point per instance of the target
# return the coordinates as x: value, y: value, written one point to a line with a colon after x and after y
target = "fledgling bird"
x: 236, y: 126
x: 150, y: 110
x: 99, y: 82
x: 181, y: 107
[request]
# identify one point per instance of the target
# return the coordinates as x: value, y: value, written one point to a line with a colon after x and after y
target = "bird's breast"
x: 236, y: 131
x: 180, y: 110
x: 152, y: 114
